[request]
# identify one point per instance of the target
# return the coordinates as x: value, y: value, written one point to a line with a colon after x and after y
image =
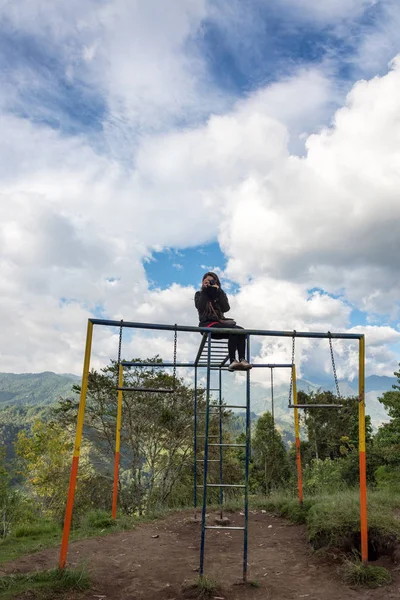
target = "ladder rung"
x: 232, y: 445
x: 209, y: 460
x: 222, y: 527
x: 227, y: 485
x: 315, y: 406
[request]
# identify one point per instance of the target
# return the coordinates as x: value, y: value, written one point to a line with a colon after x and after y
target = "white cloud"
x: 81, y: 214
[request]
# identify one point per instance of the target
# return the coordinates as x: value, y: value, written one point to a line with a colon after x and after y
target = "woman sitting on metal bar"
x: 211, y: 303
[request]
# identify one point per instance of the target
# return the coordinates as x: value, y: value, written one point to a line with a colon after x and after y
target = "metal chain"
x: 120, y: 342
x: 333, y: 365
x: 175, y: 344
x: 291, y: 373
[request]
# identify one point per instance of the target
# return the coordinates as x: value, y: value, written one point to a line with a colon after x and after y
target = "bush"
x: 388, y: 478
x: 323, y: 477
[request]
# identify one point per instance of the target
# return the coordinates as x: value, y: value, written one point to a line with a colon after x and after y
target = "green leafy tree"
x: 156, y: 433
x: 44, y: 457
x: 271, y: 465
x: 332, y: 433
x: 387, y: 439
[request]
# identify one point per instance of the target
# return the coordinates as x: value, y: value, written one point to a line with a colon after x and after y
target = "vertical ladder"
x: 219, y: 358
x: 221, y: 445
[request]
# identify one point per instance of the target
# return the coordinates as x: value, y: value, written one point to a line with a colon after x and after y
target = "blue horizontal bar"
x: 188, y: 328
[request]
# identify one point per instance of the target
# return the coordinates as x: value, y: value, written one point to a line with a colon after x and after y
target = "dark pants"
x: 235, y: 342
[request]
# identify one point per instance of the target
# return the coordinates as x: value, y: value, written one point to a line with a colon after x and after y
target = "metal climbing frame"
x: 213, y: 355
x: 200, y: 362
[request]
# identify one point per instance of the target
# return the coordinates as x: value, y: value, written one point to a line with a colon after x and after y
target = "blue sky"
x: 147, y: 142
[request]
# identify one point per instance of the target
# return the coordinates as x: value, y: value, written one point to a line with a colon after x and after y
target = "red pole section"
x: 362, y: 452
x: 77, y: 448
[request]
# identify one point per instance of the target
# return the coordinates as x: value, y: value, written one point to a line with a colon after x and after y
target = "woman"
x: 211, y: 303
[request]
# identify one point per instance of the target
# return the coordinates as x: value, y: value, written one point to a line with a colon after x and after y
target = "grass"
x: 203, y: 588
x: 333, y: 521
x: 372, y: 576
x: 42, y: 534
x: 44, y: 584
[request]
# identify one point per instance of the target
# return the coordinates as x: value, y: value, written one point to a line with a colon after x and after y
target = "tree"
x: 332, y: 433
x: 271, y: 465
x: 44, y: 457
x: 156, y: 433
x: 387, y: 439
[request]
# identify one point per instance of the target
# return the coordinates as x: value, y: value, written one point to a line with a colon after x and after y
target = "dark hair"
x: 213, y: 275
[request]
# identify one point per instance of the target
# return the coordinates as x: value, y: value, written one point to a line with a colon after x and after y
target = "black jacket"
x: 219, y: 302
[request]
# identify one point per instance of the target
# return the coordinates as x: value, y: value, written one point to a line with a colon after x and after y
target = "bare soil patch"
x: 160, y: 560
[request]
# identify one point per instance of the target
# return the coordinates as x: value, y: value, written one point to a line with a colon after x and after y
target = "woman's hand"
x: 207, y: 283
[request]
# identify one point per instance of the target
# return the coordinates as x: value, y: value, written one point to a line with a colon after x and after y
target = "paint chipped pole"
x: 297, y: 433
x: 247, y: 466
x: 117, y: 442
x: 77, y: 448
x: 362, y: 452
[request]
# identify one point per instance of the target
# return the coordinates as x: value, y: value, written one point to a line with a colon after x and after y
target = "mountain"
x: 34, y: 388
x: 29, y: 396
x: 375, y: 385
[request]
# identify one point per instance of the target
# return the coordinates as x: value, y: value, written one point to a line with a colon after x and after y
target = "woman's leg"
x: 238, y: 343
x: 232, y: 342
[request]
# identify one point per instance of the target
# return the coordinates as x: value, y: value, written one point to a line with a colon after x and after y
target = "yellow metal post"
x: 117, y: 442
x: 77, y: 447
x: 362, y: 453
x: 297, y: 433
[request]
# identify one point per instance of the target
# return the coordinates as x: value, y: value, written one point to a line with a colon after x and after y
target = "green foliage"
x: 332, y: 433
x: 388, y: 478
x: 371, y: 576
x: 271, y: 465
x: 323, y: 476
x: 47, y: 583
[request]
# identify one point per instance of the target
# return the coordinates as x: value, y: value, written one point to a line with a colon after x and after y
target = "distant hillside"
x: 28, y: 396
x: 25, y: 398
x: 234, y: 391
x: 34, y: 388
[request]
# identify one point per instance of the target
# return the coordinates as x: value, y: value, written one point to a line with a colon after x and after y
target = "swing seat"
x: 315, y: 406
x: 145, y: 389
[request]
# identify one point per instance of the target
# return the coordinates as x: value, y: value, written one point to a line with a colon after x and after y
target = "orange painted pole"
x: 362, y: 451
x: 297, y: 433
x: 117, y: 442
x: 77, y: 448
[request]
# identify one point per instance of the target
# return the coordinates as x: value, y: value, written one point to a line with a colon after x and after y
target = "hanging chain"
x: 175, y: 344
x: 120, y: 342
x: 291, y: 374
x: 333, y: 365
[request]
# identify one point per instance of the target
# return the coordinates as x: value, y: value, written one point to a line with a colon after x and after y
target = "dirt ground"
x: 157, y: 561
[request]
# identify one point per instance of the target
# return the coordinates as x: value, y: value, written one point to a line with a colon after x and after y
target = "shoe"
x: 235, y: 366
x: 245, y: 365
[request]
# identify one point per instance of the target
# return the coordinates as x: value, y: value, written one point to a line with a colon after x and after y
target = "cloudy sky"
x: 144, y: 142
